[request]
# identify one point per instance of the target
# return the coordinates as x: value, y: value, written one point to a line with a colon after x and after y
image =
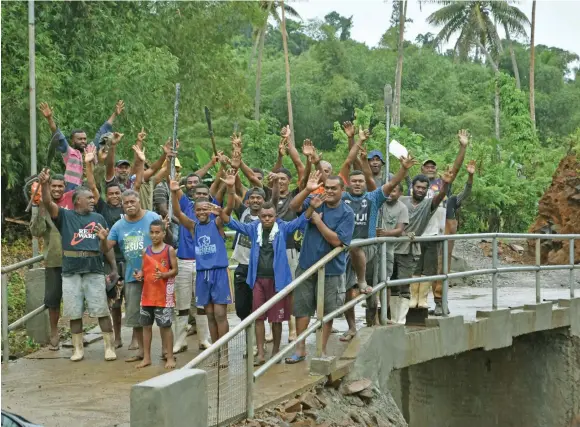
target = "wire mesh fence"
x: 227, y: 382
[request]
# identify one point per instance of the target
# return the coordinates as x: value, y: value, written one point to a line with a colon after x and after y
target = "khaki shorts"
x: 133, y: 293
x: 371, y: 256
x: 78, y: 288
x: 184, y: 284
x: 292, y: 255
x: 305, y: 294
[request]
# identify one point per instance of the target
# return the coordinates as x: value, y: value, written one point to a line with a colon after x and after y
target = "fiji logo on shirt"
x: 204, y: 246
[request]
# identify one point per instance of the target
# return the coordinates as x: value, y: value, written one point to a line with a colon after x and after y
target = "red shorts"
x: 264, y: 289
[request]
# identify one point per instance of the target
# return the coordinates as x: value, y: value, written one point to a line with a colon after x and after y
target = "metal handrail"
x: 16, y: 266
x: 5, y: 327
x: 319, y: 267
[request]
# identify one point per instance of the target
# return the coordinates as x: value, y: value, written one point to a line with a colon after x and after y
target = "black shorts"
x: 162, y: 316
x: 427, y: 265
x: 53, y: 287
x: 243, y: 296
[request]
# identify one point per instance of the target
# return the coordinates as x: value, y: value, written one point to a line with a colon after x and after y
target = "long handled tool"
x: 210, y: 130
x: 49, y: 157
x: 174, y: 141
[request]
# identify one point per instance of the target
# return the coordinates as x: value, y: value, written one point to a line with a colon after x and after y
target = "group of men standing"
x: 90, y: 242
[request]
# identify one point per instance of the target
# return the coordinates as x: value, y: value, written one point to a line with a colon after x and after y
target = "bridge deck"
x: 49, y: 389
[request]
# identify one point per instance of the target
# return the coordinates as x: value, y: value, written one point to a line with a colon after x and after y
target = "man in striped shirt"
x: 72, y: 153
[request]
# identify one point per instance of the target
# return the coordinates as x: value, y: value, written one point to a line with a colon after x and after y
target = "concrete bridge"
x: 414, y: 363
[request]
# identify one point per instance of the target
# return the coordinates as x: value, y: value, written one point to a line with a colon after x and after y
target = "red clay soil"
x: 559, y: 212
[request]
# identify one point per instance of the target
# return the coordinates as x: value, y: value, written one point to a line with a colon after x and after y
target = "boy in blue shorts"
x: 212, y: 286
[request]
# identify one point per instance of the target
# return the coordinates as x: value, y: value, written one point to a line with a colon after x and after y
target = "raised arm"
x: 215, y: 185
x: 274, y: 179
x: 463, y: 138
x: 49, y: 205
x: 406, y: 164
x: 282, y: 148
x: 468, y: 185
x: 366, y: 169
x: 47, y: 113
x: 90, y: 152
x: 138, y: 166
x: 308, y: 151
x: 312, y: 184
x: 177, y: 212
x: 110, y: 161
x: 119, y: 107
x: 350, y: 131
x: 447, y: 179
x: 205, y: 168
x: 230, y: 181
x: 353, y: 152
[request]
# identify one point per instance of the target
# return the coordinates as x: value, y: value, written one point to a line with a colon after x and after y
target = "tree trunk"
x: 287, y: 61
x: 496, y: 72
x: 261, y: 37
x: 532, y: 66
x: 513, y: 56
x: 399, y: 71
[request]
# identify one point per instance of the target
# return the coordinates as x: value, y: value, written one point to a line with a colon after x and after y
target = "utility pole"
x: 32, y: 100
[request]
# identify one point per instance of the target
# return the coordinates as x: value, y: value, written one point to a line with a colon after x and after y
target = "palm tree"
x: 532, y: 65
x: 475, y: 21
x: 287, y: 63
x: 399, y: 71
x: 269, y: 9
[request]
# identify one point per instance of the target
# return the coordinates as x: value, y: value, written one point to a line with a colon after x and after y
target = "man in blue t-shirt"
x: 186, y: 274
x: 366, y: 206
x: 331, y: 226
x: 131, y: 233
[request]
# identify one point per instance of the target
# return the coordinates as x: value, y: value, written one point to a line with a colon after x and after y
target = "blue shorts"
x: 212, y: 287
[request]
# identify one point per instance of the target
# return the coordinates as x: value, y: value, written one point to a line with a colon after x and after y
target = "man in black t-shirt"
x: 83, y: 275
x: 112, y: 211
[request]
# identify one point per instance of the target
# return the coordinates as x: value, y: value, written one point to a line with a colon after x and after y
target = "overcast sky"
x: 557, y: 21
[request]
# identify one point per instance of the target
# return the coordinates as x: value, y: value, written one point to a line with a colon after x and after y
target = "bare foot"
x: 144, y: 363
x: 54, y: 343
x: 118, y: 343
x: 170, y: 363
x: 134, y: 345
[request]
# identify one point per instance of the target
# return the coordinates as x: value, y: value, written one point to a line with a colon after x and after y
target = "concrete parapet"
x: 38, y: 328
x: 498, y: 331
x: 573, y: 306
x: 542, y: 315
x: 175, y: 399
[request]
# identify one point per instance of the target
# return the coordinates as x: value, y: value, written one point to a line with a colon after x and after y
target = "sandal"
x: 259, y: 362
x: 134, y: 359
x: 347, y: 336
x: 366, y: 289
x: 295, y: 359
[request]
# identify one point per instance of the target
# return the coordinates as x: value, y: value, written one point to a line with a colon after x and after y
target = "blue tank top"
x: 210, y: 247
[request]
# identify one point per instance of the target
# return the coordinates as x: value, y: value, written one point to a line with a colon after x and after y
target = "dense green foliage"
x: 89, y: 54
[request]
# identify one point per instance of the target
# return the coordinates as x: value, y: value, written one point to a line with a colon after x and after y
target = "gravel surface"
x: 471, y: 253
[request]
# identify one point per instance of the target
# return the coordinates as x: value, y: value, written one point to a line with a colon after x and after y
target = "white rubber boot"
x: 78, y: 348
x: 424, y: 288
x: 414, y: 289
x: 109, y: 346
x: 203, y: 331
x: 394, y: 306
x: 180, y: 334
x: 402, y: 311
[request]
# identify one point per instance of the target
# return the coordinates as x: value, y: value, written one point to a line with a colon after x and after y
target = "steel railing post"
x: 572, y: 256
x: 320, y: 310
x: 250, y: 369
x: 494, y: 276
x: 383, y: 279
x: 5, y: 344
x: 444, y: 302
x: 538, y: 263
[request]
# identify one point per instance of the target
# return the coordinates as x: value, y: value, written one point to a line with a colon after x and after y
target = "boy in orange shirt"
x: 158, y: 298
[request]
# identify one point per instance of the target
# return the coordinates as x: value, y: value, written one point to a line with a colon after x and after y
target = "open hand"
x: 348, y: 129
x: 363, y: 134
x: 236, y: 159
x: 307, y: 148
x: 463, y: 137
x: 236, y: 142
x: 174, y: 185
x: 230, y: 179
x: 471, y: 167
x: 90, y: 153
x: 314, y: 181
x: 168, y: 147
x: 140, y: 153
x: 102, y: 153
x: 318, y: 200
x: 102, y: 232
x: 214, y: 209
x: 408, y: 162
x: 119, y: 107
x: 285, y: 132
x: 45, y: 110
x: 283, y: 147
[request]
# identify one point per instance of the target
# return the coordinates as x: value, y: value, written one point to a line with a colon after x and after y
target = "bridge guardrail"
x: 220, y: 347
